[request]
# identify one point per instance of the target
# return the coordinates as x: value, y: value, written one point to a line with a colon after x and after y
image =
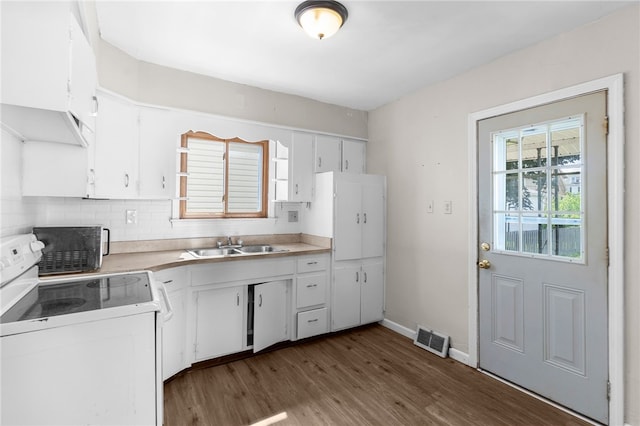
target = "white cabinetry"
x: 353, y: 156
x: 48, y: 74
x: 311, y: 295
x: 359, y: 218
x: 328, y: 154
x: 293, y: 168
x: 115, y: 170
x: 333, y: 154
x: 174, y: 358
x: 219, y: 322
x: 270, y: 314
x: 350, y: 208
x: 358, y: 293
x: 159, y: 139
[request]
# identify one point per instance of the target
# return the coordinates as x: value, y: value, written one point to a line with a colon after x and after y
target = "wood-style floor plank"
x: 367, y: 376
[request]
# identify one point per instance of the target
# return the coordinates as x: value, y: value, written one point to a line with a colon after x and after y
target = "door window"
x: 538, y: 207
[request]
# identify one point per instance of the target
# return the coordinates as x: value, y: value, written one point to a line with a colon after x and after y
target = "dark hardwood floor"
x: 367, y: 376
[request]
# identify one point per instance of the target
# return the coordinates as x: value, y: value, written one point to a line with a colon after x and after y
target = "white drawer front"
x: 311, y: 290
x: 312, y: 323
x: 311, y: 264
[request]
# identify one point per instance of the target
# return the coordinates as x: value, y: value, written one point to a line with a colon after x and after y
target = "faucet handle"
x: 219, y: 244
x: 239, y: 242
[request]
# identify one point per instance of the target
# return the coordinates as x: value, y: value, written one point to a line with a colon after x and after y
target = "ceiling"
x: 385, y: 50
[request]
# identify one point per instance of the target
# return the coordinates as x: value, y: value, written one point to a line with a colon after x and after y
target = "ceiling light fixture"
x: 321, y: 19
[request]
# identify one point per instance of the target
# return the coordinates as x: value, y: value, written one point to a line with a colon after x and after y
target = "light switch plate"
x: 293, y: 216
x: 448, y: 207
x: 430, y: 206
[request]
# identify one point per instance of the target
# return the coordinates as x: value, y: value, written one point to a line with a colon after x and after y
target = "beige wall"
x: 158, y: 85
x: 420, y: 143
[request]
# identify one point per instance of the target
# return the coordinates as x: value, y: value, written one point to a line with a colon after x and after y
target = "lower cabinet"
x: 219, y: 322
x: 358, y: 293
x: 269, y: 314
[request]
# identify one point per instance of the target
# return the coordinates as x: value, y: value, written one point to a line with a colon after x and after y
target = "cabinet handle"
x: 163, y: 183
x: 296, y: 189
x: 365, y: 217
x: 94, y: 113
x: 313, y: 320
x: 126, y: 180
x: 167, y: 282
x: 237, y: 299
x: 357, y: 277
x: 312, y: 285
x: 312, y: 263
x: 357, y: 217
x: 365, y: 277
x: 319, y: 162
x: 346, y: 164
x: 260, y: 303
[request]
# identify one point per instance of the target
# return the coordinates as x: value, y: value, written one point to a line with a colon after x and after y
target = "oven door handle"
x: 163, y: 291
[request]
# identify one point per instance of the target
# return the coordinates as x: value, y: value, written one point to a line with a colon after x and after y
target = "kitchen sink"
x: 227, y: 251
x: 258, y: 249
x: 212, y: 252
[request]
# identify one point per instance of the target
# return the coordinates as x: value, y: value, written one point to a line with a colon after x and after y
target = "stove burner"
x: 60, y: 306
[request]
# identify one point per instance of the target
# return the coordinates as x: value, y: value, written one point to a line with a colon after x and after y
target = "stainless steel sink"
x: 236, y: 250
x: 265, y: 248
x: 212, y: 252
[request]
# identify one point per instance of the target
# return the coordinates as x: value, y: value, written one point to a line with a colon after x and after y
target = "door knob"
x: 484, y: 264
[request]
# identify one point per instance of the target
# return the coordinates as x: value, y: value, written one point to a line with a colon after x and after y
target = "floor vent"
x: 432, y: 341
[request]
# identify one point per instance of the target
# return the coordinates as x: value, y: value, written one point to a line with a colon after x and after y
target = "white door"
x: 543, y: 251
x: 301, y: 167
x: 345, y: 303
x: 328, y: 154
x: 159, y: 140
x: 348, y: 220
x: 372, y: 292
x: 353, y: 156
x: 372, y: 220
x: 219, y: 315
x: 270, y: 314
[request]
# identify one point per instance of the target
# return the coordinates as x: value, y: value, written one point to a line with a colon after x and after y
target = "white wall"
x: 420, y: 143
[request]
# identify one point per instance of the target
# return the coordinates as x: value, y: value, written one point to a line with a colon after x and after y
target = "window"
x: 222, y: 178
x: 537, y: 181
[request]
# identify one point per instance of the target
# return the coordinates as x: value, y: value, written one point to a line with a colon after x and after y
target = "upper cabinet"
x: 159, y: 138
x: 293, y: 168
x: 115, y: 160
x: 328, y: 154
x: 48, y: 74
x: 333, y: 154
x: 353, y: 154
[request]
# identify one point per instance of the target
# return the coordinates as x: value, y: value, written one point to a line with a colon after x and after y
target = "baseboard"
x: 411, y: 334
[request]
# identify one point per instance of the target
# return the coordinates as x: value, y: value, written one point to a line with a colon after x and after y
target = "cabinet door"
x: 82, y: 78
x: 348, y: 220
x: 219, y: 315
x: 353, y: 156
x: 372, y: 293
x: 345, y: 306
x: 159, y: 140
x: 301, y: 177
x: 173, y: 331
x: 327, y: 154
x: 372, y: 220
x: 270, y: 314
x: 116, y: 153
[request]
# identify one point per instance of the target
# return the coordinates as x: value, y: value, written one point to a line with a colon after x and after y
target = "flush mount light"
x: 321, y: 19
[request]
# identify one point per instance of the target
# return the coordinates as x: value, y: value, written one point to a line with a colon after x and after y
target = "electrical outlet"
x: 448, y: 207
x: 293, y: 216
x: 132, y: 217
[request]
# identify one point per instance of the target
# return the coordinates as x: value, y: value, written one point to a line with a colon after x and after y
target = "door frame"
x: 614, y: 85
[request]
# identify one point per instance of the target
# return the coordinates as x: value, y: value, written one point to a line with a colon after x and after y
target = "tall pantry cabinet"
x: 350, y: 208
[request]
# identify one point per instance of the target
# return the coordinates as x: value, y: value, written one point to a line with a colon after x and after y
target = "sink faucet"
x: 229, y: 242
